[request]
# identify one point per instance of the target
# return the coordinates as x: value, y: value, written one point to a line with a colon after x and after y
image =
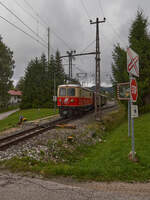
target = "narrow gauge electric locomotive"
x: 73, y: 99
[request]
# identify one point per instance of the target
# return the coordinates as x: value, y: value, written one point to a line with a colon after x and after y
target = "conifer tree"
x: 139, y: 40
x: 6, y: 73
x: 119, y: 65
x: 38, y: 89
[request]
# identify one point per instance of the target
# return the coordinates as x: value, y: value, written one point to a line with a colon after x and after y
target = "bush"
x: 144, y: 109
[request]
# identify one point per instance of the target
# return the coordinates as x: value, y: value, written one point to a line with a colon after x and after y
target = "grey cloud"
x: 69, y: 20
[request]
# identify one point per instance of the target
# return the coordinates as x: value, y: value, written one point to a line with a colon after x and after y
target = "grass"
x: 30, y: 114
x: 106, y: 161
x: 12, y: 107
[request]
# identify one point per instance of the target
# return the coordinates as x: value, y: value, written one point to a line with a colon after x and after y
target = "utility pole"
x: 70, y: 56
x: 48, y: 44
x: 55, y: 91
x: 98, y: 113
x: 54, y: 97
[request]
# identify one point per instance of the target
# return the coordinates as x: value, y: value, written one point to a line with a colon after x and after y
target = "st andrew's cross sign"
x: 132, y: 62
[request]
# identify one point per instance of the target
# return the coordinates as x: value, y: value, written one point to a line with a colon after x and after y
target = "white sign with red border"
x: 133, y: 90
x: 132, y: 62
x: 134, y: 111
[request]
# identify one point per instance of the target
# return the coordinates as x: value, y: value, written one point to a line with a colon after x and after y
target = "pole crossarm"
x: 71, y: 55
x: 80, y: 54
x: 91, y: 22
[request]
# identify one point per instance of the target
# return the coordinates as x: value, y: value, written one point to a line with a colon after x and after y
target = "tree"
x: 6, y: 73
x: 35, y: 87
x: 119, y: 65
x: 139, y: 40
x: 56, y: 74
x: 38, y: 90
x: 20, y: 84
x: 59, y: 69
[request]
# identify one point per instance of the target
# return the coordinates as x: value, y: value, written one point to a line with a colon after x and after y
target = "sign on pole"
x: 133, y: 70
x: 133, y: 89
x: 54, y: 98
x: 134, y: 111
x: 132, y: 62
x: 123, y: 91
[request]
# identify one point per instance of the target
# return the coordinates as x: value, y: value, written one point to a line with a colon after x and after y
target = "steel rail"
x: 7, y: 141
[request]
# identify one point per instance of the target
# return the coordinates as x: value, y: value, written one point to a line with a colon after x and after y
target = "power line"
x: 61, y: 39
x: 23, y: 31
x: 84, y: 7
x: 107, y: 39
x: 101, y: 8
x: 33, y: 17
x: 22, y: 21
x: 44, y: 22
x: 90, y: 44
x: 116, y: 33
x: 36, y: 13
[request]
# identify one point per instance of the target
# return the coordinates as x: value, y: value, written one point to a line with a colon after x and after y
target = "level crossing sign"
x: 132, y: 62
x: 133, y: 90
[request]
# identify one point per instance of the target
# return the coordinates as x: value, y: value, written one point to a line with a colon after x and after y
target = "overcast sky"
x: 69, y: 19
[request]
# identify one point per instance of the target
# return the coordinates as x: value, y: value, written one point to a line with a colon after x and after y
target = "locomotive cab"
x: 73, y: 99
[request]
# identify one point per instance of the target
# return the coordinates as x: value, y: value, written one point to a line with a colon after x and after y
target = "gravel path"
x: 14, y: 187
x: 6, y: 114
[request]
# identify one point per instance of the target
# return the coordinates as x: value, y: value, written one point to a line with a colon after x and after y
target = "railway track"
x: 7, y: 141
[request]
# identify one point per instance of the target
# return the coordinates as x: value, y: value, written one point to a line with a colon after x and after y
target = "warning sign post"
x: 133, y: 70
x: 129, y: 91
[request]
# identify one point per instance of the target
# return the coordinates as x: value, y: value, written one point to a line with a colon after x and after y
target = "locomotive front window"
x: 71, y: 92
x: 62, y: 92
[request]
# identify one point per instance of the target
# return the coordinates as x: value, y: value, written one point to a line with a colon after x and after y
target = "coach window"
x: 62, y: 92
x: 71, y: 92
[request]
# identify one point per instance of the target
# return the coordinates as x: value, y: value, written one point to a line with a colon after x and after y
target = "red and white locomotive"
x: 74, y: 99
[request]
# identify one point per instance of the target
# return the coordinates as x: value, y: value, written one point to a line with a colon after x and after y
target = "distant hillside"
x: 104, y: 89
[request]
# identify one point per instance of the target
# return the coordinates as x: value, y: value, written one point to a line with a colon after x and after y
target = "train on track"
x: 74, y: 99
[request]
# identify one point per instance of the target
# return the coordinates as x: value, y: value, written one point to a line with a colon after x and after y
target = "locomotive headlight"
x: 72, y: 100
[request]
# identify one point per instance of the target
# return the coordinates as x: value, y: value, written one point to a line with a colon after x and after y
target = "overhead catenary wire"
x: 81, y: 70
x: 22, y: 21
x: 23, y: 31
